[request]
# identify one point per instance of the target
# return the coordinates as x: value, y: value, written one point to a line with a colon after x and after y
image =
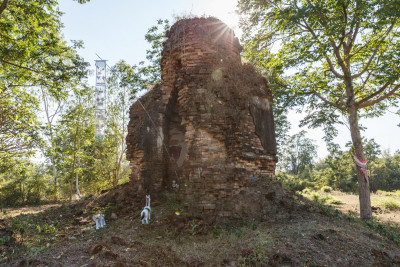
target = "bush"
x: 293, y: 182
x: 326, y: 189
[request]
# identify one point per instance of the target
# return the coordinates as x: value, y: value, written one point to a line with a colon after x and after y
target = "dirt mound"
x: 297, y: 234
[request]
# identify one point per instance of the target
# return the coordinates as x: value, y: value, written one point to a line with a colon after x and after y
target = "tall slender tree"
x: 340, y: 57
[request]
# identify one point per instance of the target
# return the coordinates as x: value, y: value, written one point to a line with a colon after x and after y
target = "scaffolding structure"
x: 101, y: 105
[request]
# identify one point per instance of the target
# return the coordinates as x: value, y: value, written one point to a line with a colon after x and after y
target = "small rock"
x: 118, y: 241
x: 113, y: 216
x: 120, y: 264
x: 108, y: 254
x: 95, y: 263
x: 96, y: 248
x: 319, y: 236
x: 270, y: 195
x: 72, y: 238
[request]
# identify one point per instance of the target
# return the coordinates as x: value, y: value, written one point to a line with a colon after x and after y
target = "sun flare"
x: 225, y: 10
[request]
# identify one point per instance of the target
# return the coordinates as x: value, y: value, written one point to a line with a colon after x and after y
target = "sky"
x: 115, y: 30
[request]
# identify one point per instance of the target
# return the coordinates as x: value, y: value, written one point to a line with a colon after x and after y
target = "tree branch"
x: 374, y: 53
x: 390, y: 93
x: 3, y: 6
x: 331, y: 67
x: 327, y: 101
x: 19, y: 66
x: 344, y: 29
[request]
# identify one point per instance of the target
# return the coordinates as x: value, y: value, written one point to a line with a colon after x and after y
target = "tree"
x: 76, y: 135
x: 32, y: 53
x: 52, y: 106
x: 340, y: 57
x: 298, y: 153
x: 123, y: 84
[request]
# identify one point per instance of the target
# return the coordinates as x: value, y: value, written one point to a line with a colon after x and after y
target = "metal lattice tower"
x: 101, y: 105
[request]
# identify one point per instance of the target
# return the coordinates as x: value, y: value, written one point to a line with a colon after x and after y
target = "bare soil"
x: 304, y: 235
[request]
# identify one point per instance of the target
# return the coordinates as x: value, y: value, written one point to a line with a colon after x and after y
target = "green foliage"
x: 339, y: 60
x: 297, y: 153
x: 321, y: 200
x: 156, y: 37
x: 337, y: 172
x: 29, y: 188
x: 293, y: 182
x: 46, y: 68
x: 327, y: 44
x: 32, y: 53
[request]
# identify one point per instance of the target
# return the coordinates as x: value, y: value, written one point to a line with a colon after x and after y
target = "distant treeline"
x: 338, y: 169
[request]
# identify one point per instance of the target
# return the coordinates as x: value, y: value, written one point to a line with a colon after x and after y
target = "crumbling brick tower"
x: 207, y: 127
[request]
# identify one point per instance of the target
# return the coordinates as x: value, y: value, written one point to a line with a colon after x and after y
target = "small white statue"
x: 100, y: 221
x: 145, y: 214
x: 175, y: 185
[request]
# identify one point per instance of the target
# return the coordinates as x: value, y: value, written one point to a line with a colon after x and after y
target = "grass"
x: 318, y: 236
x: 389, y: 204
x: 395, y: 193
x: 388, y: 229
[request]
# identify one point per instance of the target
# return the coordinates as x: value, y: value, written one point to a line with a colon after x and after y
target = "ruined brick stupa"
x: 208, y: 127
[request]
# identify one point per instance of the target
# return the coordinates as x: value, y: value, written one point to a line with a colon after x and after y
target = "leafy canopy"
x: 32, y: 53
x: 332, y: 54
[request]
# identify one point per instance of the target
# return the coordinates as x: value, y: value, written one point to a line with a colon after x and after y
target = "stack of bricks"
x: 207, y: 127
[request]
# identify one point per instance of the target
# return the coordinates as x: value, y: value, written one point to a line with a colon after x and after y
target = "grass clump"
x: 333, y: 200
x: 326, y: 189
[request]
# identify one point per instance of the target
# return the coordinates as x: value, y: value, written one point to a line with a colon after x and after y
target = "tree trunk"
x: 363, y: 181
x: 77, y: 181
x: 3, y: 6
x: 71, y: 180
x: 54, y: 177
x: 70, y: 190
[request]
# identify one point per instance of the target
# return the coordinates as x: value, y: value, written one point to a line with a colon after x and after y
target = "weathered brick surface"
x: 208, y: 125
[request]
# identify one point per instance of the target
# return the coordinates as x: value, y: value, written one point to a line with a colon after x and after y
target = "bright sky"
x: 115, y: 30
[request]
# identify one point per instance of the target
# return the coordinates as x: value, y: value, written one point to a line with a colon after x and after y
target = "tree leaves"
x: 32, y: 53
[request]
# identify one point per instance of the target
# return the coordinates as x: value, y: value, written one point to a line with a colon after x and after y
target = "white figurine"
x: 100, y: 221
x: 145, y: 214
x: 175, y: 185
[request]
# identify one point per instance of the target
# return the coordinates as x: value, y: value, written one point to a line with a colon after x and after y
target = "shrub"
x: 326, y: 189
x: 293, y: 182
x: 314, y: 196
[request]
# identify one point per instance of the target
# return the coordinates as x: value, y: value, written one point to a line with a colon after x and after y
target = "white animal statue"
x: 100, y: 221
x: 145, y: 214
